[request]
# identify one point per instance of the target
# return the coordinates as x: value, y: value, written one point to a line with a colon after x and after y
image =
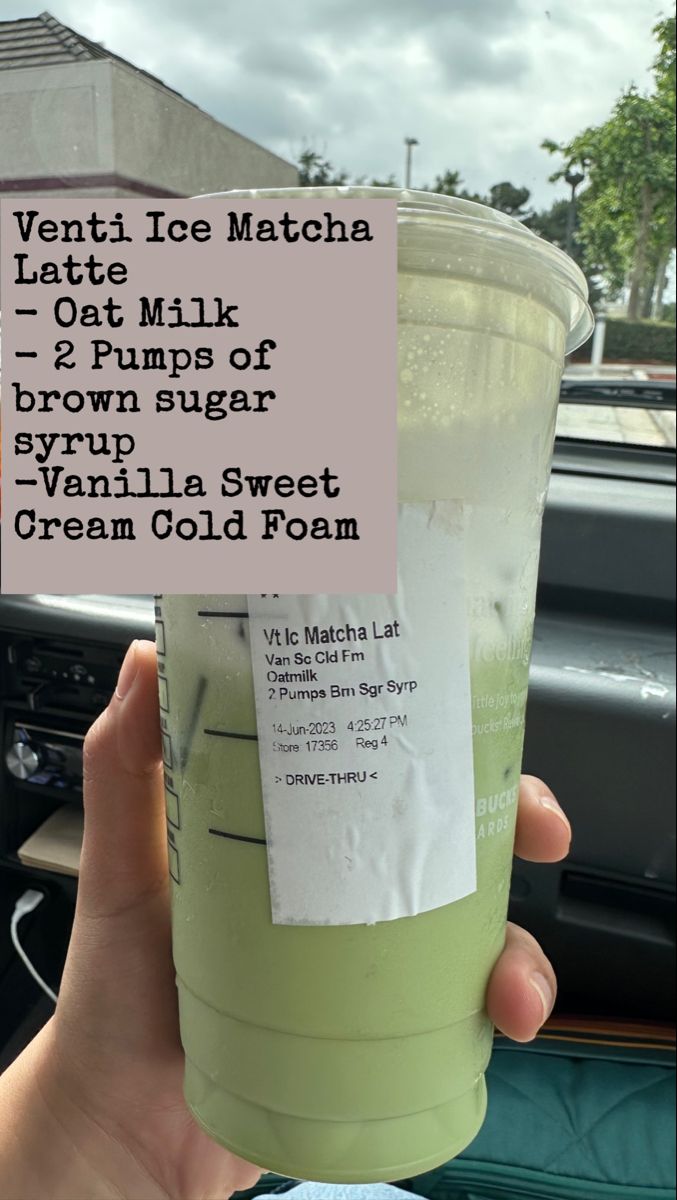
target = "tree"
x: 664, y: 233
x: 627, y: 211
x: 511, y: 200
x: 553, y: 225
x: 389, y: 182
x: 448, y: 184
x: 503, y: 196
x: 316, y: 171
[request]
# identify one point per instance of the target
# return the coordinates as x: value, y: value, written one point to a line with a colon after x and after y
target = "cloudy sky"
x: 480, y: 83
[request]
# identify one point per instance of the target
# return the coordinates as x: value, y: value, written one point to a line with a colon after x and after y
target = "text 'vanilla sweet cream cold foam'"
x: 342, y: 771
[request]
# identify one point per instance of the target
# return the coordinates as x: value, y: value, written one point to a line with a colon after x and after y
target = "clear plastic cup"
x: 357, y: 1052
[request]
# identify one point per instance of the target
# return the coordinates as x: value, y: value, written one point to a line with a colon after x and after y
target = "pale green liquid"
x: 357, y: 1053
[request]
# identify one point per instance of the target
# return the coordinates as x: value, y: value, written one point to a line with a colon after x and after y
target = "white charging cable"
x: 24, y: 905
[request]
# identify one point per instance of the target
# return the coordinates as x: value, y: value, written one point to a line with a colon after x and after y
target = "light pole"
x: 409, y: 143
x: 574, y: 179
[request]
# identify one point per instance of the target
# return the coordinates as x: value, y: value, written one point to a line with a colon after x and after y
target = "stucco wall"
x: 55, y: 121
x: 63, y: 126
x: 170, y: 143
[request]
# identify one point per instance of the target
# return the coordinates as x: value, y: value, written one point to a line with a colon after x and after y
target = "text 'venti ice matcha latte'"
x: 342, y: 771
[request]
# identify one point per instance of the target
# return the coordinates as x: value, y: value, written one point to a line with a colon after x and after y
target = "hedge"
x: 636, y: 341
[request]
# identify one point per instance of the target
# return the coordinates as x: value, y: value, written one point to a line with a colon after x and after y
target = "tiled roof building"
x: 77, y: 119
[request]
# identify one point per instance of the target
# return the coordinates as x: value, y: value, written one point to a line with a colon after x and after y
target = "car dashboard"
x: 599, y: 730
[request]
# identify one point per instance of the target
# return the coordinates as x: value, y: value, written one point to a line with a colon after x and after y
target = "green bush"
x: 639, y: 341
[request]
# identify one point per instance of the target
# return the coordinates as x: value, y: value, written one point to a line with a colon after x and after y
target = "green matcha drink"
x: 342, y: 772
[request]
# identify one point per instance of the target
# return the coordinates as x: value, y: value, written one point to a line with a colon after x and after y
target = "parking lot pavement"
x: 619, y: 370
x: 604, y: 423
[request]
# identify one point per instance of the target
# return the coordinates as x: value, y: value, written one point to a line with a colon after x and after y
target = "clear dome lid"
x: 483, y: 235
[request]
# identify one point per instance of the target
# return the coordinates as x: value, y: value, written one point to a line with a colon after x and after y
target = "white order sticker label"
x: 365, y: 744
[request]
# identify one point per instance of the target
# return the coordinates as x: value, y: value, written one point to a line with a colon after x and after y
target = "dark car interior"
x: 600, y: 731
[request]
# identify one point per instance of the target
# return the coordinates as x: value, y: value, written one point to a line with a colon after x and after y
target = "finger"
x: 543, y: 831
x: 124, y: 854
x: 522, y: 988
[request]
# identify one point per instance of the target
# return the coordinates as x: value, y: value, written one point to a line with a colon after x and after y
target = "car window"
x: 96, y: 103
x: 560, y: 118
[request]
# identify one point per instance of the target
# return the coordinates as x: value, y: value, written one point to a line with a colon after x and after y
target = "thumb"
x: 124, y: 852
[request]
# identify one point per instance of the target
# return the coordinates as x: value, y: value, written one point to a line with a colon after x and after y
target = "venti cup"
x: 341, y: 861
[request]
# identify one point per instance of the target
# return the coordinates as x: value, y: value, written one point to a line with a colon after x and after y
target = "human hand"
x: 523, y: 986
x: 96, y: 1100
x: 109, y: 1064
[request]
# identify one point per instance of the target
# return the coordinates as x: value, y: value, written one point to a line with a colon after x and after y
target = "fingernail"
x: 542, y: 986
x: 552, y: 806
x: 128, y: 672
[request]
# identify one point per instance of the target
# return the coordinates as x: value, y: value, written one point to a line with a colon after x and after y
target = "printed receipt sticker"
x: 199, y: 397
